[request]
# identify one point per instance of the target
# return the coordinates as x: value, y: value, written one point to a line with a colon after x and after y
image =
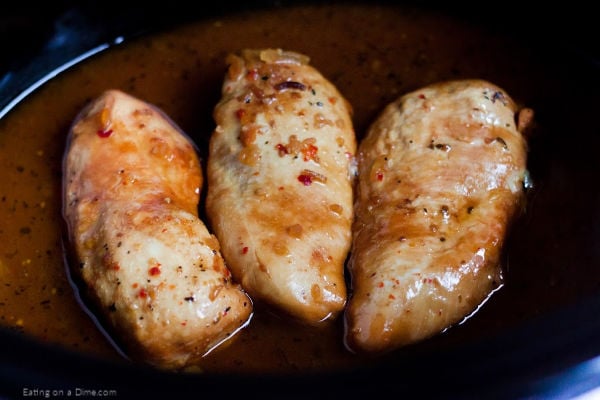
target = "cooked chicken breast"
x: 441, y: 175
x: 280, y: 175
x: 131, y: 192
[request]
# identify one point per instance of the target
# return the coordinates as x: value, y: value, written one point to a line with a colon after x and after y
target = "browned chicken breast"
x: 280, y: 182
x: 441, y: 176
x: 131, y: 192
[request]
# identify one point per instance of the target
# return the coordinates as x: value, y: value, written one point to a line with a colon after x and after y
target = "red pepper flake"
x: 245, y: 250
x: 282, y: 149
x: 154, y: 270
x: 392, y: 297
x: 305, y: 179
x: 142, y: 294
x: 252, y: 74
x: 332, y: 100
x: 380, y: 284
x: 184, y: 323
x: 379, y: 176
x: 310, y: 152
x: 116, y: 267
x: 104, y: 133
x: 135, y: 285
x: 280, y: 188
x: 422, y: 96
x: 240, y: 113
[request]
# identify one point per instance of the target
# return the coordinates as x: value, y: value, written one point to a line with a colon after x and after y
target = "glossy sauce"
x: 372, y: 54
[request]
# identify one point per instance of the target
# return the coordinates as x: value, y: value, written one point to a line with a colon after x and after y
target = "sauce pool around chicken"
x: 372, y: 54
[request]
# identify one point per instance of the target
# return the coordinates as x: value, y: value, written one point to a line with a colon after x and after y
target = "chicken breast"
x: 131, y: 192
x: 280, y: 175
x: 441, y: 177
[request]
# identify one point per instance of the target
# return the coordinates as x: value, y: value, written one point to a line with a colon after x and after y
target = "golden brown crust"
x: 131, y: 192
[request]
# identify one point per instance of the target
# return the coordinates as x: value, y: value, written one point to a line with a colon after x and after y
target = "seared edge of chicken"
x: 280, y: 175
x: 131, y: 191
x: 441, y: 175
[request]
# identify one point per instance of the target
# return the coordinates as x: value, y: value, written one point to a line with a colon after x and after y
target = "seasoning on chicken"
x: 280, y: 175
x: 131, y: 191
x: 441, y: 178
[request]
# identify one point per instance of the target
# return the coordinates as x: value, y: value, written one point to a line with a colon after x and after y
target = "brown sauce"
x: 373, y: 54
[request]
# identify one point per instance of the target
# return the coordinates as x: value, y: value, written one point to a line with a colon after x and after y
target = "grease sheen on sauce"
x: 372, y: 54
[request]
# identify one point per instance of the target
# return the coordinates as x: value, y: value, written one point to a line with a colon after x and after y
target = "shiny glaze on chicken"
x: 280, y: 182
x: 441, y: 175
x: 131, y: 192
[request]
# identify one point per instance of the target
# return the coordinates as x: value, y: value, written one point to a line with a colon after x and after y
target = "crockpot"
x: 556, y: 354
